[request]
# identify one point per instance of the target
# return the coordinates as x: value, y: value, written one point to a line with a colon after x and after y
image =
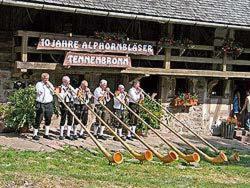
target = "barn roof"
x: 204, y: 12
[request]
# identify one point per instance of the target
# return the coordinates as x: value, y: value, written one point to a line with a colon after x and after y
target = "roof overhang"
x: 85, y: 11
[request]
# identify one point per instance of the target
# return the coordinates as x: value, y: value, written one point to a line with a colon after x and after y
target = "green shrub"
x: 21, y: 109
x: 3, y: 110
x: 155, y: 109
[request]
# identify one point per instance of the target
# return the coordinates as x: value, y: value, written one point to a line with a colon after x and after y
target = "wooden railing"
x: 25, y: 64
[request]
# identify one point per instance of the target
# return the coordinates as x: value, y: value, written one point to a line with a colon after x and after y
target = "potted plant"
x: 185, y: 99
x: 194, y: 99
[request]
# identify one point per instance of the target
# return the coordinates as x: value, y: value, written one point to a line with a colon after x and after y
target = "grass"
x: 80, y: 168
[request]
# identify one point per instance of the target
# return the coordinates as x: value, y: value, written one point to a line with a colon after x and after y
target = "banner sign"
x: 92, y: 45
x: 96, y: 60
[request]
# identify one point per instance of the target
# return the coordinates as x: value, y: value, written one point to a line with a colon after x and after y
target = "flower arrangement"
x: 233, y: 48
x: 232, y: 121
x: 185, y: 99
x: 168, y: 41
x: 119, y: 37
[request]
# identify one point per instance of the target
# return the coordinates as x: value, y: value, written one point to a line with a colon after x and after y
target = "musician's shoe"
x: 115, y: 139
x: 36, y: 137
x: 102, y: 137
x: 83, y: 136
x: 47, y: 137
x: 69, y: 138
x: 61, y: 137
x: 129, y: 138
x: 133, y: 136
x: 75, y: 137
x: 123, y: 138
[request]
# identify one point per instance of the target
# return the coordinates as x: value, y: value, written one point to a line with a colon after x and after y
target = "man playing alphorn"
x: 68, y: 97
x: 44, y: 105
x: 136, y: 96
x: 83, y: 94
x: 119, y: 109
x: 102, y: 95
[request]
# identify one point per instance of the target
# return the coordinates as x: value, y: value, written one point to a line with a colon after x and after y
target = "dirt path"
x: 25, y: 142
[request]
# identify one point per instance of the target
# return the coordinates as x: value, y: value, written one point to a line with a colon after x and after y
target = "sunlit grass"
x: 80, y: 168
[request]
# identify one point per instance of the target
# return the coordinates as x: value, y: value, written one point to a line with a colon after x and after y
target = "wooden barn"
x: 199, y: 49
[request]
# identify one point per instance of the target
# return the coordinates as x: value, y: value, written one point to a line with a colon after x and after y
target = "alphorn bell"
x: 146, y: 156
x: 189, y: 158
x: 170, y: 157
x: 219, y: 159
x: 116, y: 158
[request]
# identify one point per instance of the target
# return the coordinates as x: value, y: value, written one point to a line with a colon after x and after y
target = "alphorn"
x: 116, y: 158
x: 146, y: 156
x: 219, y: 159
x: 189, y: 158
x: 170, y: 157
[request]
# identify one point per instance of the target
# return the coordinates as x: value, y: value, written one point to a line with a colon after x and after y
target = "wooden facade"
x: 200, y: 63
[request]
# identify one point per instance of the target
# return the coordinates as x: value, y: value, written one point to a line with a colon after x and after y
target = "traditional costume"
x: 119, y: 109
x: 83, y: 97
x: 44, y: 106
x: 68, y: 96
x: 136, y: 96
x: 101, y: 96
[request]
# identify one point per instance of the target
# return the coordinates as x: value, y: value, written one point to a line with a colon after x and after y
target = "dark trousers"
x: 247, y: 123
x: 133, y: 120
x: 43, y: 110
x: 121, y: 115
x: 102, y: 112
x: 81, y: 112
x: 65, y: 114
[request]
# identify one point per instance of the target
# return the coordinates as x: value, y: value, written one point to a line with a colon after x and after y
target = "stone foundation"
x: 192, y: 117
x: 6, y: 85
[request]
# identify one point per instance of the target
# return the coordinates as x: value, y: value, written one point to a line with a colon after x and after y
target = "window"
x: 181, y: 86
x: 215, y: 88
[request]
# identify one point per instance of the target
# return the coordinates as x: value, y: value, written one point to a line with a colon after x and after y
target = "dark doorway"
x: 182, y: 86
x: 242, y: 86
x: 150, y: 84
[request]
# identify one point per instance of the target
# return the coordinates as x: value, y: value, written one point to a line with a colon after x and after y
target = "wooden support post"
x: 167, y: 58
x: 165, y: 88
x: 224, y: 64
x: 24, y: 48
x: 125, y: 81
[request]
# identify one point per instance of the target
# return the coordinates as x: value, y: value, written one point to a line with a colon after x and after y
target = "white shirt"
x: 117, y: 104
x: 99, y: 92
x: 86, y: 97
x: 66, y: 93
x: 135, y: 95
x: 43, y: 93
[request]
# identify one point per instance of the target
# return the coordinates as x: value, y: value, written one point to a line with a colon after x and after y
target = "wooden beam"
x: 24, y: 48
x: 60, y: 68
x: 238, y: 62
x: 186, y: 72
x: 36, y: 34
x: 167, y: 58
x: 224, y: 64
x: 36, y: 65
x: 150, y: 58
x: 33, y: 50
x: 195, y: 59
x: 133, y: 70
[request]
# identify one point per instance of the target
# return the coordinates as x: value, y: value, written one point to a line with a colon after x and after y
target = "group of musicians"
x: 78, y: 101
